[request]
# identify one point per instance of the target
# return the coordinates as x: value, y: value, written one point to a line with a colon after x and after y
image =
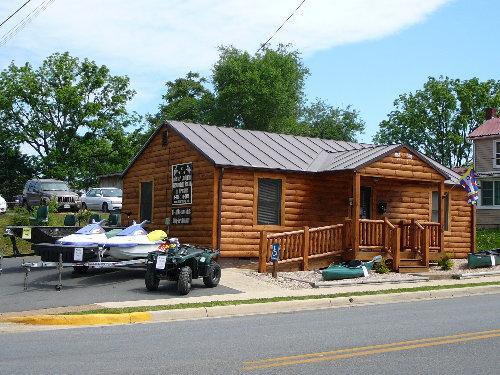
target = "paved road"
x: 93, y: 287
x: 222, y: 346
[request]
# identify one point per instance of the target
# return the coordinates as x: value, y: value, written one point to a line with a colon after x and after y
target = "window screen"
x: 269, y: 203
x: 486, y: 193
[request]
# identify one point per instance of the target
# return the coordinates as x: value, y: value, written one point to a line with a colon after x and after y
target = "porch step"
x: 412, y: 269
x: 410, y: 262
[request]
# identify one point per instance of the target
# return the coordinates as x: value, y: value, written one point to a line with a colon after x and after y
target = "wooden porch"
x: 409, y: 245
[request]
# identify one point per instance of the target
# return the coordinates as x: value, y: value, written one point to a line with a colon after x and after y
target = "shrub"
x: 19, y: 216
x: 381, y: 267
x: 53, y: 206
x: 83, y: 216
x: 446, y: 263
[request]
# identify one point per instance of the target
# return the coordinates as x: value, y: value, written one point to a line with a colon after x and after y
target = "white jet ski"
x: 90, y: 235
x: 134, y: 242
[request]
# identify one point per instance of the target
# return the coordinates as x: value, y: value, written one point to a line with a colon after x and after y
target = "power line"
x: 25, y: 21
x: 279, y: 28
x: 13, y: 14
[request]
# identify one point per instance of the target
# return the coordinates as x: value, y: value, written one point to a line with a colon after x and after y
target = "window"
x: 435, y: 209
x: 496, y: 150
x: 146, y: 201
x: 269, y: 202
x: 490, y: 193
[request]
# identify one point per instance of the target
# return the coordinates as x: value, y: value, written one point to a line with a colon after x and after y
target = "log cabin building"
x: 241, y: 190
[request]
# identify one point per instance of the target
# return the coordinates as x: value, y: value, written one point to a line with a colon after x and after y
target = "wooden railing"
x: 434, y: 235
x: 412, y: 231
x: 301, y: 245
x: 377, y: 236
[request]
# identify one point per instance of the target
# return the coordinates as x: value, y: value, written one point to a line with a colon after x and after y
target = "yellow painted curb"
x: 80, y: 320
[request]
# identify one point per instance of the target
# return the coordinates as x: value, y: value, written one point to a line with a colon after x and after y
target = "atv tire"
x: 151, y: 280
x: 184, y: 281
x: 212, y: 278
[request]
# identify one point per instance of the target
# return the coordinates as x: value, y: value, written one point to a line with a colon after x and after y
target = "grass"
x: 277, y: 299
x: 487, y: 239
x: 10, y: 218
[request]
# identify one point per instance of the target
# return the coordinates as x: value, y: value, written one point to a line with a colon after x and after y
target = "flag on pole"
x: 469, y: 183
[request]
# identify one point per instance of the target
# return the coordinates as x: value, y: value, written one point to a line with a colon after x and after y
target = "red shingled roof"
x: 490, y: 127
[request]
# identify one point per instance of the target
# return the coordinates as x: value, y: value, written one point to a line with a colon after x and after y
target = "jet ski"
x: 90, y: 235
x: 81, y: 246
x: 134, y: 242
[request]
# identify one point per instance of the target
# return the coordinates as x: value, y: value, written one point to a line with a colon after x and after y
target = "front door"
x: 366, y: 202
x: 146, y: 201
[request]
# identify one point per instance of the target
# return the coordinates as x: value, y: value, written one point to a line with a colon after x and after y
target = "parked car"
x: 40, y: 191
x: 3, y: 205
x: 104, y: 199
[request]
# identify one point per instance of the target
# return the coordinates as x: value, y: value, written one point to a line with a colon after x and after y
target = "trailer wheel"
x: 184, y: 281
x: 151, y: 280
x: 212, y: 278
x: 80, y: 270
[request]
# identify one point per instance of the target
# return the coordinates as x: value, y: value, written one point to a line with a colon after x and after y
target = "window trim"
x: 496, y: 155
x: 480, y: 203
x: 272, y: 176
x: 447, y: 210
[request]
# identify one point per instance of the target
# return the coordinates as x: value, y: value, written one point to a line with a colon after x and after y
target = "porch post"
x: 356, y: 207
x: 441, y: 216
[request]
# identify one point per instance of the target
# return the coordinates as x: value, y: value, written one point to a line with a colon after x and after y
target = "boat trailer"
x: 79, y: 266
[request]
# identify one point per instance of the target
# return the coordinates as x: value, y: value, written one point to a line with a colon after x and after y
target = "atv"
x: 182, y: 263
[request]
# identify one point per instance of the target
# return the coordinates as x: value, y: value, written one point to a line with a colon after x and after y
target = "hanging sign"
x: 182, y: 184
x: 181, y: 215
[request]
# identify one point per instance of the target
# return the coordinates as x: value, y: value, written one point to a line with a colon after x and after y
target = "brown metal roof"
x: 263, y: 150
x: 487, y: 128
x: 230, y: 147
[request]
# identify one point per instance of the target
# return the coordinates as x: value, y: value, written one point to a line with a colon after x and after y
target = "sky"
x: 362, y: 53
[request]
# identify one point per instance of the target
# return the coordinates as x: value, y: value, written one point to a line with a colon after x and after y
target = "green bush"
x: 381, y: 267
x: 446, y: 263
x: 83, y: 216
x: 53, y: 206
x: 19, y: 216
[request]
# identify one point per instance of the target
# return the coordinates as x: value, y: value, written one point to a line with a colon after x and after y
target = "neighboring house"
x: 227, y: 188
x: 111, y: 180
x: 486, y: 146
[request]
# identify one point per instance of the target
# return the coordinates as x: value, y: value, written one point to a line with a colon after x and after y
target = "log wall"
x: 154, y: 164
x: 402, y: 164
x: 309, y: 200
x: 412, y: 200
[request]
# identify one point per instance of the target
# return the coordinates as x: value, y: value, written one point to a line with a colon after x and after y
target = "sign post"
x: 275, y: 256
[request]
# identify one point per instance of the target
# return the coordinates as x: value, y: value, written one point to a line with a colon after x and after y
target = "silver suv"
x: 41, y: 191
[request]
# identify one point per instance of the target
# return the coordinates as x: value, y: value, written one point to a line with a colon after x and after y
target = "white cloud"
x: 156, y: 40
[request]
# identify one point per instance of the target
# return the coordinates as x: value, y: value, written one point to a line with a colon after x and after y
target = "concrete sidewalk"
x: 252, y: 288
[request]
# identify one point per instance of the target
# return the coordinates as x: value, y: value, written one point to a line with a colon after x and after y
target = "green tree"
x: 15, y: 168
x: 437, y: 119
x: 63, y: 106
x: 186, y: 99
x: 322, y: 120
x: 260, y: 92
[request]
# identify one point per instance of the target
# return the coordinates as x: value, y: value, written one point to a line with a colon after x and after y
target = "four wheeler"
x: 182, y: 263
